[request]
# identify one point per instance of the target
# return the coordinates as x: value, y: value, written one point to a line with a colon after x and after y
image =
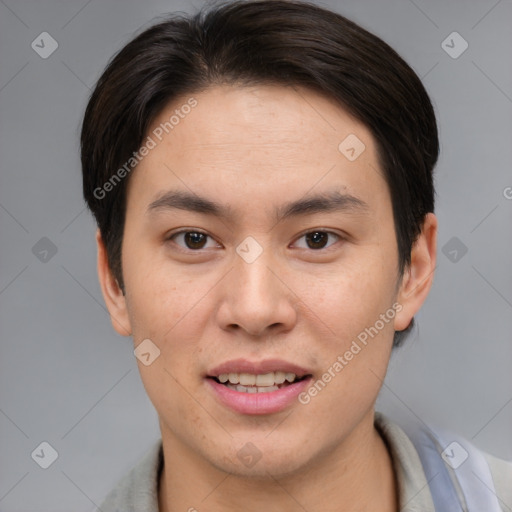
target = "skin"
x: 255, y: 148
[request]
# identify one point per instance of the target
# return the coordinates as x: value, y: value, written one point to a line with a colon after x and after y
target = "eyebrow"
x: 329, y: 201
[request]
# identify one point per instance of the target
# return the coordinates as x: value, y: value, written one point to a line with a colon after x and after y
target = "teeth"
x: 267, y: 379
x: 279, y: 377
x: 267, y: 389
x: 252, y: 389
x: 234, y: 378
x: 248, y: 380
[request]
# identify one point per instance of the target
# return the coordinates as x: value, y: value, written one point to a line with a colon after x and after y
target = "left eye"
x: 317, y: 239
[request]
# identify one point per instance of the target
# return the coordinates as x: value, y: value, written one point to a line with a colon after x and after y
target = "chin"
x: 265, y: 464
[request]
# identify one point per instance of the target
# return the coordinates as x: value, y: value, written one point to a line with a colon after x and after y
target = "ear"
x: 418, y: 277
x: 112, y: 293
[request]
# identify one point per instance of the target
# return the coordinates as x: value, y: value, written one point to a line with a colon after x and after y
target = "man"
x: 261, y: 176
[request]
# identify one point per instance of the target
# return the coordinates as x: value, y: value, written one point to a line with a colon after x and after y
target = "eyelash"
x: 195, y: 231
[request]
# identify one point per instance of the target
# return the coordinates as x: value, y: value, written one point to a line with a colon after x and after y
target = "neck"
x: 356, y: 475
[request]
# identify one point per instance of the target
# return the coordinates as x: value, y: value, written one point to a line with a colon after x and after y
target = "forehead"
x: 262, y: 142
x: 283, y: 118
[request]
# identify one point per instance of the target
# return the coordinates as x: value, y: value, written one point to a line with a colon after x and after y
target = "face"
x: 283, y: 264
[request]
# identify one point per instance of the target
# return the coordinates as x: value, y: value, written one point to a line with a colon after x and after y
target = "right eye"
x: 191, y: 240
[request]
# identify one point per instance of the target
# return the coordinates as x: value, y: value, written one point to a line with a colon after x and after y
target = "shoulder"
x: 501, y: 471
x: 138, y: 489
x: 456, y: 470
x: 412, y: 483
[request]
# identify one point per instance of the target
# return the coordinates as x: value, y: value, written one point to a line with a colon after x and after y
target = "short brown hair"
x: 261, y: 42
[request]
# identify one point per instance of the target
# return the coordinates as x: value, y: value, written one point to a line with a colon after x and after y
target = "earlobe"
x: 418, y: 277
x: 114, y: 298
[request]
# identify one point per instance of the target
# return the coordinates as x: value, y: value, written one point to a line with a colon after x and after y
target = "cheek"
x: 167, y: 308
x: 357, y: 305
x: 172, y: 310
x: 158, y: 295
x: 352, y: 299
x: 355, y: 354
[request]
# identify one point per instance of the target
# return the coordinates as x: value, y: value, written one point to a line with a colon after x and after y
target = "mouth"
x: 258, y: 383
x: 263, y: 387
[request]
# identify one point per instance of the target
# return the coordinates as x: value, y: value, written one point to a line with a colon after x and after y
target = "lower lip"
x: 258, y: 403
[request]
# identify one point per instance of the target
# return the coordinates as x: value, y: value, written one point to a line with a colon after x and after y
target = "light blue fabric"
x: 443, y: 492
x: 463, y: 466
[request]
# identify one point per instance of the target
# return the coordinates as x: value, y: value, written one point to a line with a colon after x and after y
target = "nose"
x: 256, y: 298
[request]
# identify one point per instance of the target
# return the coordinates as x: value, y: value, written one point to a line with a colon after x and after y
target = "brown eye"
x: 192, y: 240
x: 195, y: 240
x: 317, y: 240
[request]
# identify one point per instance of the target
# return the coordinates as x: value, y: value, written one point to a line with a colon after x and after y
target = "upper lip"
x: 257, y: 367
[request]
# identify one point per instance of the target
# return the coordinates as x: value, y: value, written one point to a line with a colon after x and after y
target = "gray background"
x: 68, y: 379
